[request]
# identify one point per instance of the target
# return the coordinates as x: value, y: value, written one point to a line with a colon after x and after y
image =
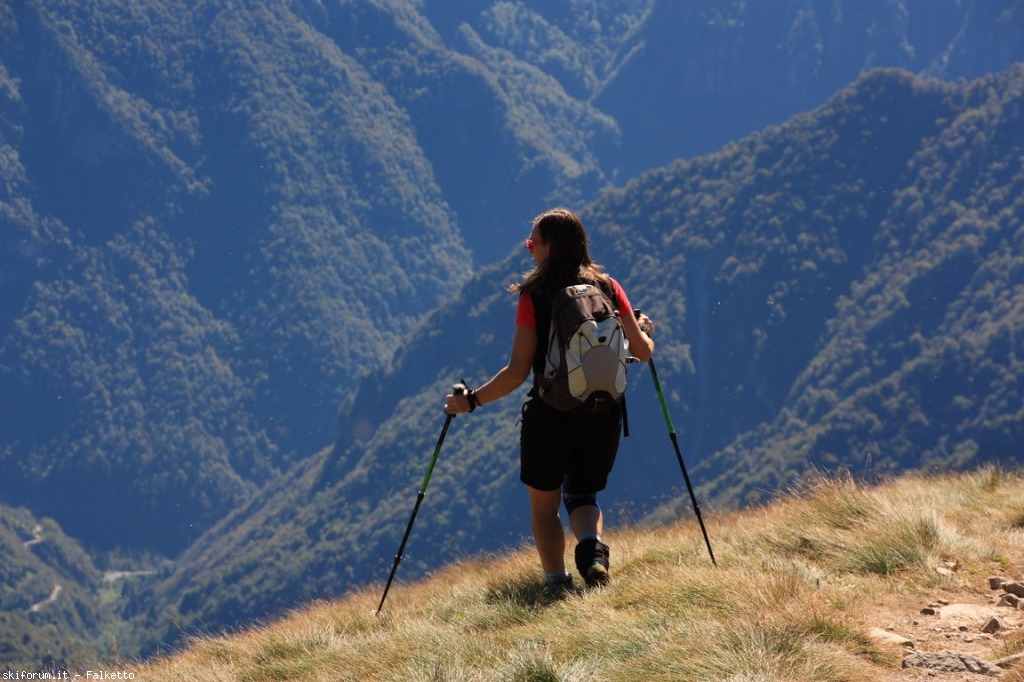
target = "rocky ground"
x: 970, y: 628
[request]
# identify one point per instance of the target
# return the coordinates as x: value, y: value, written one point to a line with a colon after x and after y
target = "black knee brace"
x: 573, y: 502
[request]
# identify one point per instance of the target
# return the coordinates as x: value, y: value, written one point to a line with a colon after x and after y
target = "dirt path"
x: 54, y: 595
x: 114, y: 576
x: 37, y: 536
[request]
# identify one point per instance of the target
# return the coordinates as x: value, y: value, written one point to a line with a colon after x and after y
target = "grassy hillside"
x: 800, y: 587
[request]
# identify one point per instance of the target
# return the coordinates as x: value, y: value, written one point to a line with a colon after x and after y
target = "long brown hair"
x: 568, y: 258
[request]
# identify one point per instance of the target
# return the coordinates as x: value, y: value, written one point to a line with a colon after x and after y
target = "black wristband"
x: 474, y: 402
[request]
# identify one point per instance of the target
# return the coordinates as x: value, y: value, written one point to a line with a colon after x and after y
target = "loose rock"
x: 969, y: 615
x: 952, y: 662
x: 889, y: 637
x: 992, y: 626
x: 1009, y: 600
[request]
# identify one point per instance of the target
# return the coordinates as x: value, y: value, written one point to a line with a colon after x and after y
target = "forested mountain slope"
x: 922, y: 363
x: 49, y: 590
x: 207, y: 242
x: 706, y: 72
x: 220, y: 217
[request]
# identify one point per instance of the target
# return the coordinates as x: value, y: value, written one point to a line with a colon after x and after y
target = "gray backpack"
x: 587, y: 351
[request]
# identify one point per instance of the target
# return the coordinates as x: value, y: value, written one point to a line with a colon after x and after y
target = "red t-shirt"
x: 526, y: 316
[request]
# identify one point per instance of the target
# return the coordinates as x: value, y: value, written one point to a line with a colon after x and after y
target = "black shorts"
x: 574, y: 452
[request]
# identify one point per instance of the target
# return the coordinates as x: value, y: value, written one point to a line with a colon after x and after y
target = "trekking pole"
x: 679, y: 454
x: 458, y: 389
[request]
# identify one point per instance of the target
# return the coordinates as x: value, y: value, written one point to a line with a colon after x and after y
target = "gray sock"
x: 553, y: 577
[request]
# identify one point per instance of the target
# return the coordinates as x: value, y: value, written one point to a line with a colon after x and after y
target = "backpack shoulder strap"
x: 542, y: 320
x: 608, y: 289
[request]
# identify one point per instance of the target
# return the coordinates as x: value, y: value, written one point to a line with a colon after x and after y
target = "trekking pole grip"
x: 637, y: 313
x: 463, y: 388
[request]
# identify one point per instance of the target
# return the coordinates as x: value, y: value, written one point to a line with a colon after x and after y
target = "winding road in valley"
x: 37, y: 537
x: 108, y: 577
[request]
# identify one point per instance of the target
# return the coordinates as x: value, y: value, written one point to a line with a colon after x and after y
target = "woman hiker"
x: 565, y: 456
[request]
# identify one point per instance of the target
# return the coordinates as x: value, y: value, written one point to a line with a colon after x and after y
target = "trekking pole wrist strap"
x: 471, y: 398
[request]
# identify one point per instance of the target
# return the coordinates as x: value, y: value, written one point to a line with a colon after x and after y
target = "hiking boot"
x: 592, y: 557
x: 598, y: 576
x: 558, y: 590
